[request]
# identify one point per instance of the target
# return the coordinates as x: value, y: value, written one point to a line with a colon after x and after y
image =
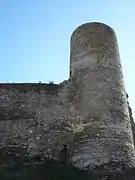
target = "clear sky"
x: 35, y: 35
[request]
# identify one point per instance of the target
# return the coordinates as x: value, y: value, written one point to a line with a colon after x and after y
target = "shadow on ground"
x: 48, y: 170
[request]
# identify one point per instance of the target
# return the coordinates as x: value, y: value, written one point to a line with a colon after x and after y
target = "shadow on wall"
x: 14, y: 165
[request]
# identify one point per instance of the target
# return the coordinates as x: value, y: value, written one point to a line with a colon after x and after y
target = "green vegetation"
x: 48, y: 170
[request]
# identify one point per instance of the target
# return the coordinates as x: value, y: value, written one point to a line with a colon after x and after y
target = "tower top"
x: 91, y: 39
x: 97, y: 26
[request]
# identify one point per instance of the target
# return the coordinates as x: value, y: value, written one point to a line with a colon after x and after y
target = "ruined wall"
x: 33, y: 116
x: 106, y: 137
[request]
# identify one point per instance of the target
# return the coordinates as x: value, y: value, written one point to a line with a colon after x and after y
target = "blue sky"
x: 35, y: 36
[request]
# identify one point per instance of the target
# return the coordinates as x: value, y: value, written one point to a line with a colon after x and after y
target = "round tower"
x: 105, y: 138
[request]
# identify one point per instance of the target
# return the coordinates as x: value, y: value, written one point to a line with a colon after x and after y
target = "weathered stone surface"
x: 34, y: 116
x: 89, y: 112
x: 100, y: 98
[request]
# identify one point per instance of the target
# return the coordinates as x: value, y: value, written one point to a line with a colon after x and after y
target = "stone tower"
x: 88, y: 113
x: 96, y: 74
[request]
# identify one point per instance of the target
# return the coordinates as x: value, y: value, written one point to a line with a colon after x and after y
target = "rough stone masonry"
x: 89, y: 112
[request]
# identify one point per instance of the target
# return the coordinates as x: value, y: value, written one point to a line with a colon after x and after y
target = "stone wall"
x: 132, y: 120
x: 33, y: 116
